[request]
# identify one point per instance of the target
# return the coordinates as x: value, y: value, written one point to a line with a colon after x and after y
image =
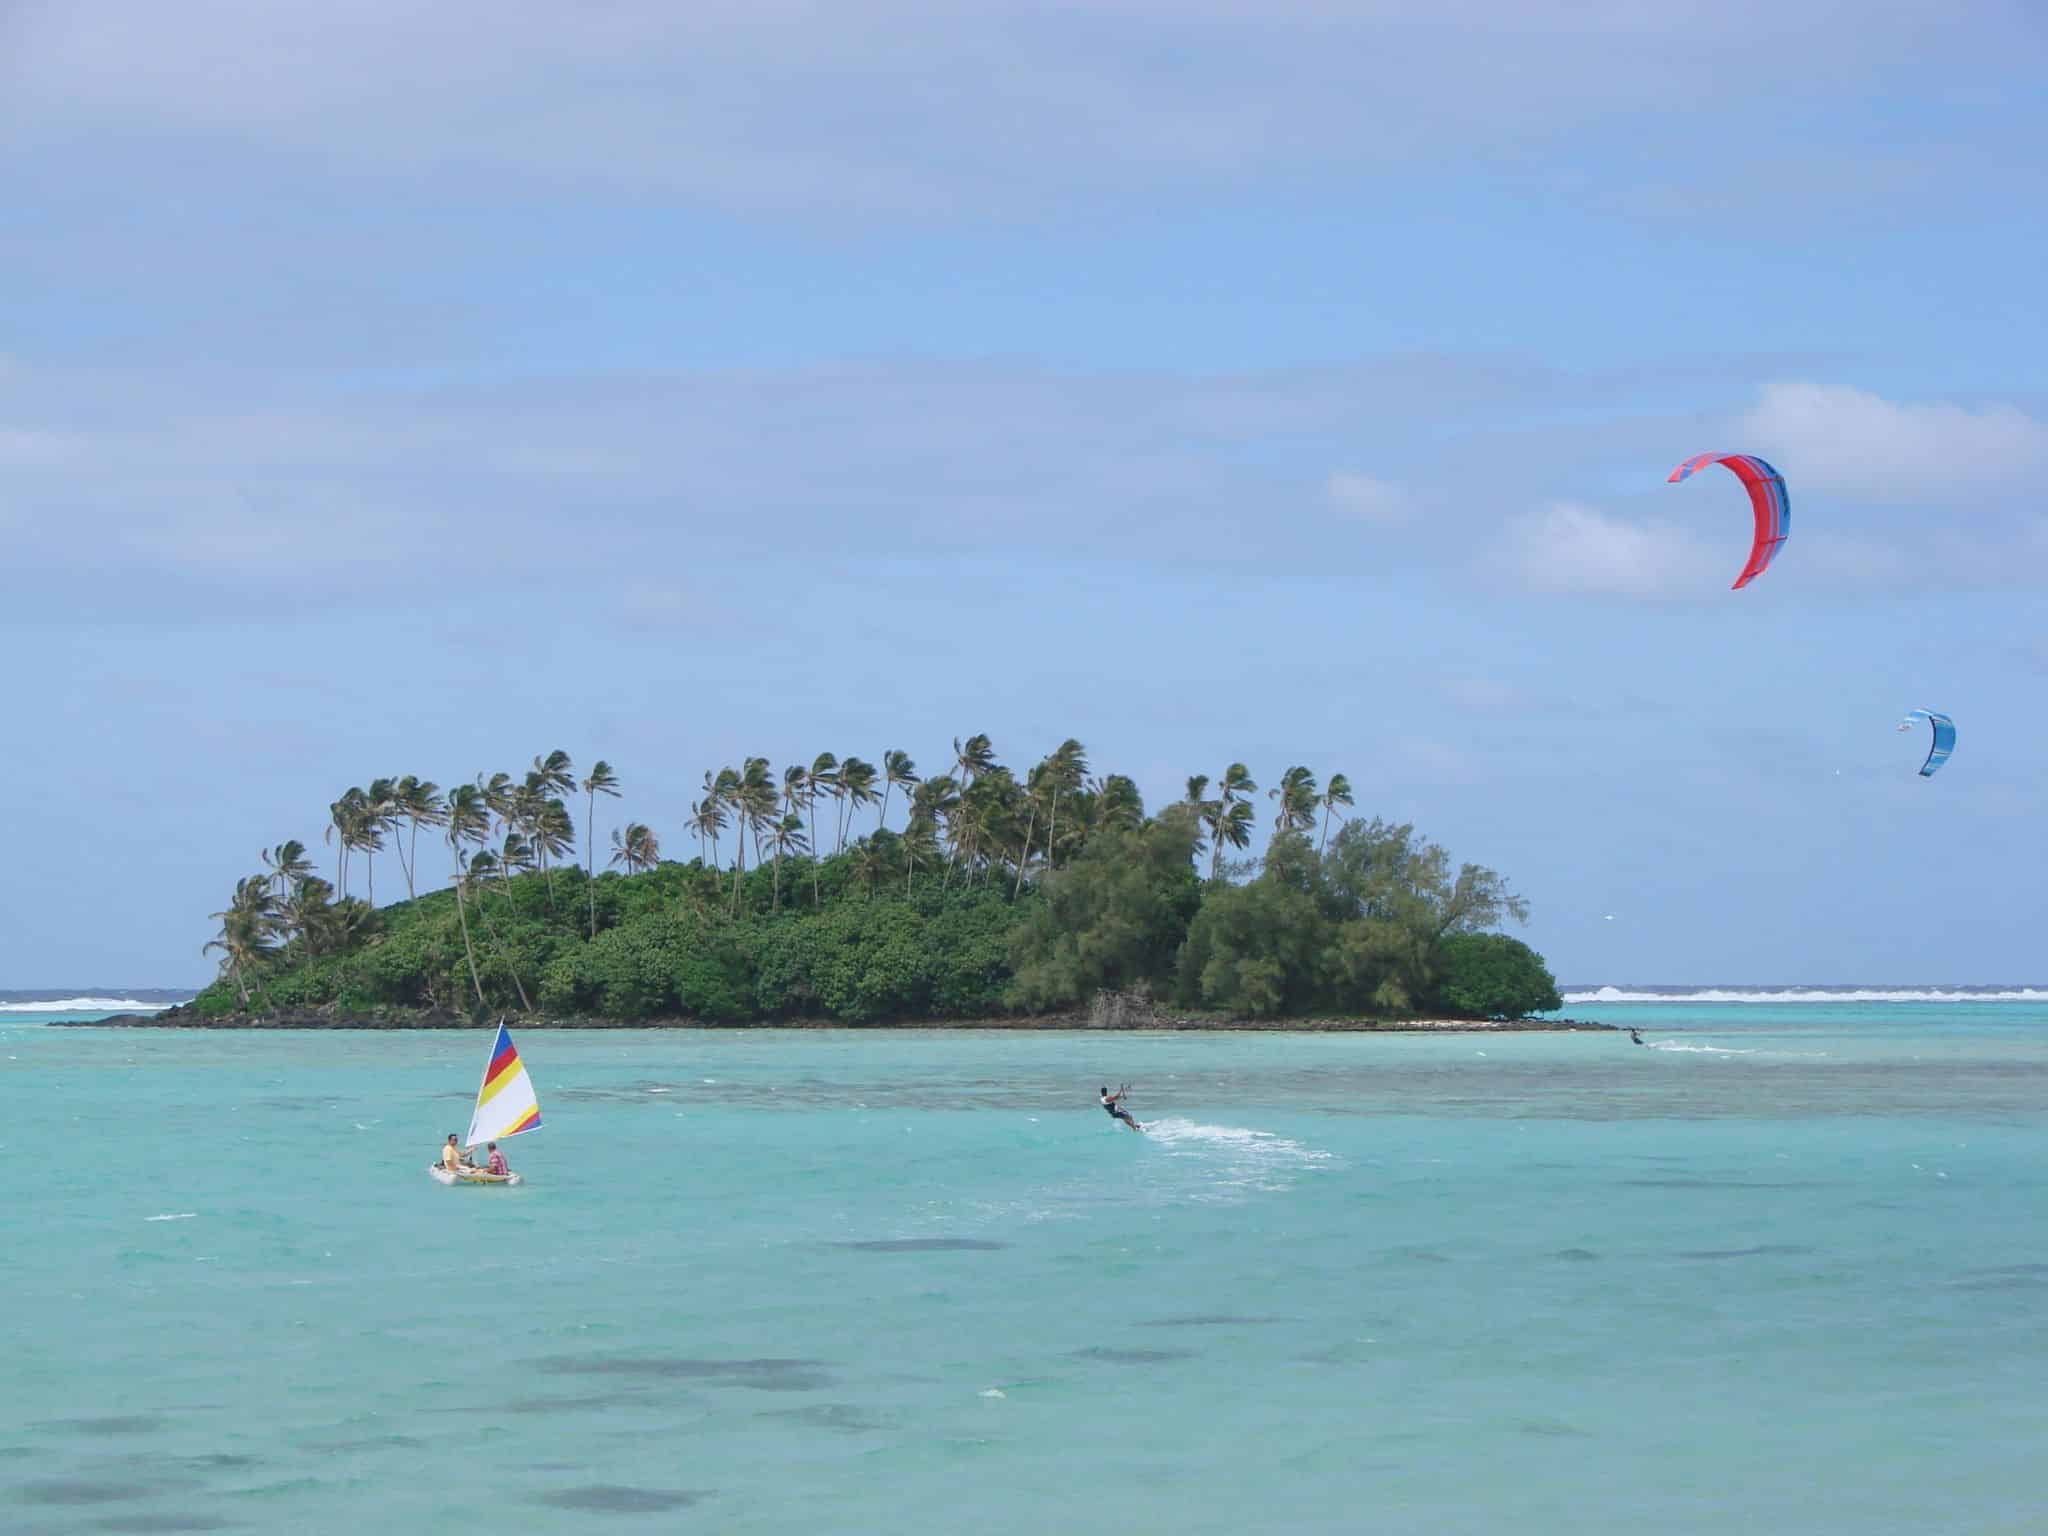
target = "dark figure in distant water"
x: 1634, y: 1036
x: 1112, y: 1103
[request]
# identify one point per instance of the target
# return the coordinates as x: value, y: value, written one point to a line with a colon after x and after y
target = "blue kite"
x: 1944, y: 738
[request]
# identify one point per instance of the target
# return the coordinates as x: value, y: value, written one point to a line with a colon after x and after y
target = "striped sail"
x: 505, y: 1104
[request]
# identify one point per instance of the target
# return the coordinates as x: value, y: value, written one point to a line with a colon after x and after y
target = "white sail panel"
x: 505, y: 1104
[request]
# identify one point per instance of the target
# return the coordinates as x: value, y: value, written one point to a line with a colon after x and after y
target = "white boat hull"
x: 441, y: 1175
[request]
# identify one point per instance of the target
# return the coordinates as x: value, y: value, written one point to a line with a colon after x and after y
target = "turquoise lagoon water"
x: 1784, y: 1272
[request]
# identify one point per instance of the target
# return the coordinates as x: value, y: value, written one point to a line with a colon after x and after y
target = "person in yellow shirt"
x: 451, y: 1156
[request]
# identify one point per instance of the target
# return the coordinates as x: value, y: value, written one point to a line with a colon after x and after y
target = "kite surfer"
x: 1113, y: 1103
x: 1634, y: 1036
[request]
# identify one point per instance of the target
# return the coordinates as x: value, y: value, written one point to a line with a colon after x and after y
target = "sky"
x: 388, y: 389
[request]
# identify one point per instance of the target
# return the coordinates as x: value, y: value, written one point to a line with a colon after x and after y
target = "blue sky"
x: 387, y: 393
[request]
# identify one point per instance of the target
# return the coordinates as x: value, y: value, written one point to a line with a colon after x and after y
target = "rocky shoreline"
x: 1109, y: 1013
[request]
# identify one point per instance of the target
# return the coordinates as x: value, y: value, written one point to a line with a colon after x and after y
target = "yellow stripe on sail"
x: 506, y: 1103
x: 515, y: 1068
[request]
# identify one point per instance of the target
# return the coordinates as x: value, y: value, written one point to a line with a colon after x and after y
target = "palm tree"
x: 481, y: 867
x: 1225, y: 822
x: 468, y: 820
x: 1118, y: 804
x: 796, y: 794
x: 920, y: 844
x: 514, y: 856
x: 1336, y: 793
x: 707, y: 820
x: 751, y: 794
x: 346, y: 820
x: 898, y: 772
x: 550, y: 777
x: 380, y: 815
x: 500, y: 797
x: 796, y: 788
x: 554, y: 774
x: 934, y: 804
x: 1067, y: 769
x: 289, y: 867
x: 554, y: 837
x: 419, y: 802
x: 1296, y: 795
x: 1234, y: 826
x: 988, y: 817
x: 872, y: 859
x: 974, y: 757
x: 711, y: 810
x: 602, y: 781
x: 785, y: 836
x: 834, y: 784
x: 857, y: 785
x: 312, y: 918
x: 248, y: 929
x: 823, y: 779
x: 1038, y: 790
x: 636, y: 848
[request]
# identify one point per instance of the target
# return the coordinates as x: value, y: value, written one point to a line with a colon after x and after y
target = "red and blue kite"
x: 1767, y: 498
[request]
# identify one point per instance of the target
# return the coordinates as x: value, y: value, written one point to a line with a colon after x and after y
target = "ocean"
x: 1784, y: 1269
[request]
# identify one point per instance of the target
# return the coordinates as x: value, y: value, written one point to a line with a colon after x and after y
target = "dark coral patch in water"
x: 766, y: 1375
x: 78, y: 1490
x: 1132, y: 1356
x: 841, y: 1416
x: 617, y: 1499
x: 113, y: 1424
x: 924, y: 1245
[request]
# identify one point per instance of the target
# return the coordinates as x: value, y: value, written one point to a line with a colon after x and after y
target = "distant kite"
x: 1944, y: 738
x: 1767, y: 498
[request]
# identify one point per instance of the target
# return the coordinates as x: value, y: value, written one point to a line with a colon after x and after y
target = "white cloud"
x: 1368, y: 500
x: 1570, y: 547
x: 929, y: 104
x: 23, y: 449
x: 1833, y: 437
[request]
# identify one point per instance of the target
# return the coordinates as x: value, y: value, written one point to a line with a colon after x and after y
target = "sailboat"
x: 505, y: 1107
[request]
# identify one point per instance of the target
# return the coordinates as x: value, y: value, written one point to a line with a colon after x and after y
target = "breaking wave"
x: 1232, y: 1159
x: 1812, y: 995
x: 85, y: 1005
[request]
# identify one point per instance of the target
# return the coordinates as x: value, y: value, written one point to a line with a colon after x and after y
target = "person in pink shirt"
x: 497, y: 1163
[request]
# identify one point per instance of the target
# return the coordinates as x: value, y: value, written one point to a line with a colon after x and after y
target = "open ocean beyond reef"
x: 1784, y: 1271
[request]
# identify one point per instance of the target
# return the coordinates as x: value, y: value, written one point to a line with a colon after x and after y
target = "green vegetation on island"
x: 997, y: 894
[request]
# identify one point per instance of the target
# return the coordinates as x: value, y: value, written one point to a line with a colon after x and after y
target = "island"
x: 1051, y: 899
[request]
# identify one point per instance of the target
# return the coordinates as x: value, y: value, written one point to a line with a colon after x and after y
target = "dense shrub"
x: 1379, y: 924
x: 1490, y: 975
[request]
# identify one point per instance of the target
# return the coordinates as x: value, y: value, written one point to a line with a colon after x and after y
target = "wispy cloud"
x: 1839, y: 438
x: 795, y: 104
x: 1568, y: 547
x: 1369, y: 500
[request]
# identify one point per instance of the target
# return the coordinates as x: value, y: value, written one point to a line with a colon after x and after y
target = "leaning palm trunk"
x: 469, y: 949
x: 811, y: 804
x: 506, y: 954
x: 1024, y: 854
